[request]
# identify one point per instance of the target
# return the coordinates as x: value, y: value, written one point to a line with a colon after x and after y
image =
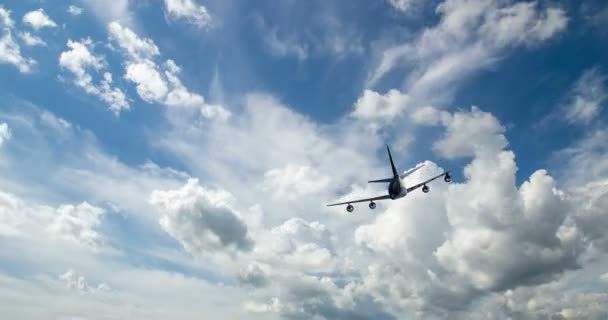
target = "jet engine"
x: 350, y: 208
x: 447, y: 178
x: 372, y: 205
x: 426, y: 189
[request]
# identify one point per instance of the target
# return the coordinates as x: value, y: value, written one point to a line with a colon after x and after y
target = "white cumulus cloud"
x: 159, y: 83
x: 38, y: 19
x: 78, y: 224
x: 80, y: 60
x: 201, y: 219
x: 189, y: 11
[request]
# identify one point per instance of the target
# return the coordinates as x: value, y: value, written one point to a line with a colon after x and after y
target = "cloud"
x: 74, y: 10
x: 372, y: 106
x: 38, y: 19
x: 200, y: 219
x: 79, y: 59
x: 151, y: 85
x: 29, y: 221
x: 471, y: 133
x: 135, y: 47
x: 117, y: 10
x: 189, y: 11
x: 401, y: 5
x: 253, y: 275
x: 78, y: 224
x: 5, y: 133
x: 325, y: 34
x: 10, y: 52
x: 470, y: 36
x: 452, y: 244
x: 31, y: 40
x: 297, y: 244
x: 294, y: 182
x: 587, y: 98
x: 79, y: 283
x: 159, y: 84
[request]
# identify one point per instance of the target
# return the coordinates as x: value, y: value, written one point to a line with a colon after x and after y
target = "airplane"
x: 396, y: 188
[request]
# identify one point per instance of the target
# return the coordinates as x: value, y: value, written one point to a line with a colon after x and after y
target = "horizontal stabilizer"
x: 381, y: 180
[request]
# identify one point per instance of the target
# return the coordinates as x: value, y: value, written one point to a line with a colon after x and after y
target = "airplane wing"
x: 361, y: 200
x: 412, y: 188
x: 411, y: 171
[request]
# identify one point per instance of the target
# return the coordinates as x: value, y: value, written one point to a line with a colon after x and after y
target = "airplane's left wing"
x: 412, y: 188
x: 361, y: 200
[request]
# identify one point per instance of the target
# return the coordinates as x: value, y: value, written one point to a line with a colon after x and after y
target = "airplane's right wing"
x: 410, y: 189
x: 361, y: 200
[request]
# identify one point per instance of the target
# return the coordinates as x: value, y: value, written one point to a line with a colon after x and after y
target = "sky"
x: 174, y: 158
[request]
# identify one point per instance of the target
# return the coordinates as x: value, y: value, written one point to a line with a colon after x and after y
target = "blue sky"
x: 172, y: 158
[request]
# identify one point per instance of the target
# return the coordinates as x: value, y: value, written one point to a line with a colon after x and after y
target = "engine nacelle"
x: 350, y: 208
x: 372, y: 205
x: 426, y: 189
x: 447, y: 178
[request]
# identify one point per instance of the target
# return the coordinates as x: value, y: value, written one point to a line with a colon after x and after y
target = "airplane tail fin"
x: 395, y: 174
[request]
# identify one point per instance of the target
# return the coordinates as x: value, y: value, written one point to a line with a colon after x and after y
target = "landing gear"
x: 447, y: 178
x: 350, y: 208
x: 372, y: 205
x: 426, y: 189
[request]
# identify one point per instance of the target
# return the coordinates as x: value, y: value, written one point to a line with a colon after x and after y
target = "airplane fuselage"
x: 396, y: 189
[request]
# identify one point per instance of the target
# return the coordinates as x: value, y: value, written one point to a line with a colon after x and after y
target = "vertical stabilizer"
x: 395, y: 174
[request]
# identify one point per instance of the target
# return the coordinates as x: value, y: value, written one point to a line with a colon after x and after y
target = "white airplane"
x: 396, y: 187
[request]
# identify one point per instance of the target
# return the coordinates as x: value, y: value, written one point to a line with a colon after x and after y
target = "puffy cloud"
x: 471, y: 133
x: 588, y: 97
x: 374, y: 106
x: 10, y: 52
x: 294, y: 182
x: 188, y: 10
x: 78, y: 224
x: 38, y: 19
x: 200, y: 219
x: 527, y: 223
x: 298, y: 244
x: 452, y: 244
x: 135, y: 47
x: 79, y: 283
x: 253, y: 275
x: 5, y: 133
x: 79, y: 59
x: 74, y: 10
x: 151, y: 86
x: 159, y: 84
x: 255, y: 307
x: 31, y: 40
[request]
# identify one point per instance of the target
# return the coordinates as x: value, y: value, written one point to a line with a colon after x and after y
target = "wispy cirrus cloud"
x: 10, y: 51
